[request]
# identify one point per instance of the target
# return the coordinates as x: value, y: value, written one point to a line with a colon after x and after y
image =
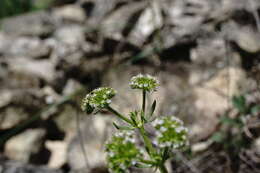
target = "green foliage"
x: 122, y: 150
x: 15, y: 7
x: 231, y: 133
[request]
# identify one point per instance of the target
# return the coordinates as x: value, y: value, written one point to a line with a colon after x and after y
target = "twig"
x: 81, y: 141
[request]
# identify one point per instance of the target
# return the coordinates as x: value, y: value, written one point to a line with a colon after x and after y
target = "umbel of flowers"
x: 123, y: 152
x: 98, y: 99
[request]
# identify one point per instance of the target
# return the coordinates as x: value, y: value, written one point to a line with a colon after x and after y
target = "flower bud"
x: 98, y: 99
x: 144, y: 82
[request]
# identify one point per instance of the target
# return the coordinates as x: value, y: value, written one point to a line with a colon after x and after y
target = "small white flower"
x: 133, y: 162
x: 163, y: 129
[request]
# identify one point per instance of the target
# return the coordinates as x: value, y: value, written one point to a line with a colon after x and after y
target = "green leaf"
x: 165, y: 154
x: 89, y: 109
x: 122, y: 127
x: 218, y: 137
x: 232, y: 121
x: 239, y: 102
x: 255, y: 110
x: 152, y: 108
x: 133, y: 116
x: 143, y: 119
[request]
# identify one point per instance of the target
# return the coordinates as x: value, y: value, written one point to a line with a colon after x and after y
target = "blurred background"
x: 205, y: 53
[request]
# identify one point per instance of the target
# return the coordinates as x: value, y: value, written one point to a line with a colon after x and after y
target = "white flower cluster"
x: 98, y: 98
x: 122, y: 152
x: 127, y: 136
x: 144, y: 82
x: 170, y: 132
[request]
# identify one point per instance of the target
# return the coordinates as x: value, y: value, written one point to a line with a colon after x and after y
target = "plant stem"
x: 119, y: 115
x: 143, y: 106
x: 147, y: 141
x: 162, y: 168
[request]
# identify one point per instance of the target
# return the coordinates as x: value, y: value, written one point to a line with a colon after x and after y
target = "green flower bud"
x: 98, y: 99
x: 122, y: 152
x: 144, y: 82
x: 170, y: 132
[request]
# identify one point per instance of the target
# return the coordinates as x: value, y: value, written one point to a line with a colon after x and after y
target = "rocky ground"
x: 203, y: 53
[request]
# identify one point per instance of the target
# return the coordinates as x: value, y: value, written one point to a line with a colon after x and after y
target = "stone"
x: 71, y: 86
x: 99, y: 10
x: 28, y: 47
x: 12, y: 116
x: 247, y: 39
x: 32, y: 24
x: 121, y: 19
x: 43, y: 69
x: 72, y: 35
x: 213, y: 98
x: 58, y: 151
x: 12, y: 166
x: 150, y: 20
x: 64, y: 119
x: 6, y: 97
x: 205, y: 54
x: 72, y: 13
x: 22, y: 146
x: 257, y: 144
x: 201, y: 146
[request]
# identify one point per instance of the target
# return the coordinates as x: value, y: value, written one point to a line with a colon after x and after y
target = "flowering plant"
x: 123, y: 152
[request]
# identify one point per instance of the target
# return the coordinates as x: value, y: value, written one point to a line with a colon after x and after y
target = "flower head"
x: 170, y: 132
x: 122, y: 152
x: 144, y: 82
x: 98, y: 99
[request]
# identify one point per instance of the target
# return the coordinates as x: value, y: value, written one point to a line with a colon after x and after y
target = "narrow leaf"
x: 152, y: 108
x: 122, y: 127
x: 133, y: 117
x: 143, y: 117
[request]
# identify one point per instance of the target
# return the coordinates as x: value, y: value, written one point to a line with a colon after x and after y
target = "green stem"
x: 119, y: 115
x: 162, y: 168
x: 147, y: 141
x: 148, y: 162
x: 143, y: 106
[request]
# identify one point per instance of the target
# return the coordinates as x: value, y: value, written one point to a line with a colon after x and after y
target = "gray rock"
x: 72, y: 35
x: 71, y: 13
x: 58, y: 151
x: 214, y: 53
x: 121, y: 19
x: 44, y: 69
x: 212, y: 98
x: 150, y: 20
x: 15, y: 167
x: 34, y: 24
x: 71, y: 86
x: 247, y: 39
x: 11, y: 116
x: 22, y: 146
x: 6, y: 97
x: 100, y: 10
x: 28, y: 47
